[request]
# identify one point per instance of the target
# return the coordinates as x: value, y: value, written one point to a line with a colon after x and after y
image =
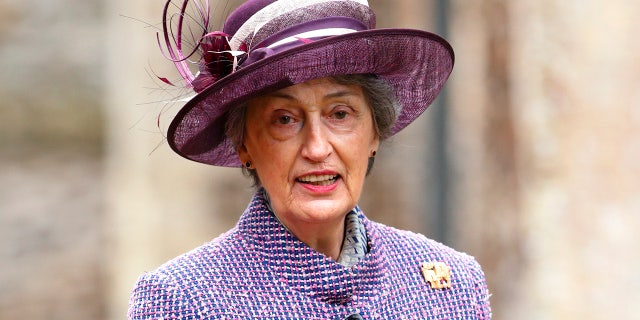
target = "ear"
x: 243, y: 154
x: 375, y: 144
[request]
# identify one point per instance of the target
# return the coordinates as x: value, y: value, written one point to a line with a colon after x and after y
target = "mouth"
x: 319, y: 180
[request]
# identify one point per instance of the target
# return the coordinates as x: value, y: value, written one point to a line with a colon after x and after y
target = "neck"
x: 326, y: 238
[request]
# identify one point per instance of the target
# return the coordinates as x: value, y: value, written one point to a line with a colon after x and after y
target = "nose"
x: 316, y: 145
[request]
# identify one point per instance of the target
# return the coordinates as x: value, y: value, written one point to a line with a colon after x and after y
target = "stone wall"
x: 51, y: 191
x: 545, y: 103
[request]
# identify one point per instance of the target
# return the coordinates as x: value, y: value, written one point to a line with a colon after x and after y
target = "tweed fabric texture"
x: 259, y: 270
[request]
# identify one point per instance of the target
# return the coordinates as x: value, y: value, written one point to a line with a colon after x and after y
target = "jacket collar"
x: 304, y: 269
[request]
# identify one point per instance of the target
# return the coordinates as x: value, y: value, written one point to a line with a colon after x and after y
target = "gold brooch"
x: 437, y: 274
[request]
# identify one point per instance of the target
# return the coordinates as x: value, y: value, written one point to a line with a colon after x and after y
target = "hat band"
x: 315, y: 29
x: 269, y: 12
x: 303, y: 33
x: 316, y: 34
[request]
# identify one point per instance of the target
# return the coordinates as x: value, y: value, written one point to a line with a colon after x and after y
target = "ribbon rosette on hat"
x: 218, y: 60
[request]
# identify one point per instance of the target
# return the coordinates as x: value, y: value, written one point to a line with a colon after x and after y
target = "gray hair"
x: 379, y: 94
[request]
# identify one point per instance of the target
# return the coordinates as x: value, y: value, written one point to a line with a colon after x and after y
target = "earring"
x: 247, y: 164
x: 373, y: 153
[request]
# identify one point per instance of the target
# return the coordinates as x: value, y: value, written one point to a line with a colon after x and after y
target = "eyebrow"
x: 337, y: 94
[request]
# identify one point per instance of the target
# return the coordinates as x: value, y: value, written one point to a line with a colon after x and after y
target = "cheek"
x: 273, y: 160
x: 357, y: 152
x: 368, y: 143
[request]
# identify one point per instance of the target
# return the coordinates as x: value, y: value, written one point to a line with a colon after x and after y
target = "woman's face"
x: 310, y: 145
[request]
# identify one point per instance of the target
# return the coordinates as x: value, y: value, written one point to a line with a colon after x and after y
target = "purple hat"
x: 268, y: 45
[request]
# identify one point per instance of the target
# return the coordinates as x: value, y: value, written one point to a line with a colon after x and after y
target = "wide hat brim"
x: 416, y: 63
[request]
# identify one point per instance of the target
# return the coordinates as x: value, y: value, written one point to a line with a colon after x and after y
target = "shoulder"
x: 414, y: 247
x: 406, y: 251
x: 416, y: 244
x: 172, y: 289
x: 213, y: 255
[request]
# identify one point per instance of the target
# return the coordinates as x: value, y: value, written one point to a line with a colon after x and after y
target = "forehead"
x: 317, y: 88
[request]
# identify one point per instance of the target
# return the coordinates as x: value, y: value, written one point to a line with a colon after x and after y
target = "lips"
x: 319, y: 179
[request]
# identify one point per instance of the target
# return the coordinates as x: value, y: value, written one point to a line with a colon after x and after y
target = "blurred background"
x: 529, y: 160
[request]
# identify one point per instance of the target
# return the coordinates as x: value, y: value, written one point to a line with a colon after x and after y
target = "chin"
x: 325, y: 209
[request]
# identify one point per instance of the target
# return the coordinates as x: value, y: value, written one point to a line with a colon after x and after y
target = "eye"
x: 284, y: 119
x: 340, y: 115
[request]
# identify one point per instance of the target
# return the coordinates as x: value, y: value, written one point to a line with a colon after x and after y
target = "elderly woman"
x: 300, y: 94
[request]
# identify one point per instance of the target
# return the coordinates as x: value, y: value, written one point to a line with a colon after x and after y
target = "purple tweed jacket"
x: 258, y: 270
